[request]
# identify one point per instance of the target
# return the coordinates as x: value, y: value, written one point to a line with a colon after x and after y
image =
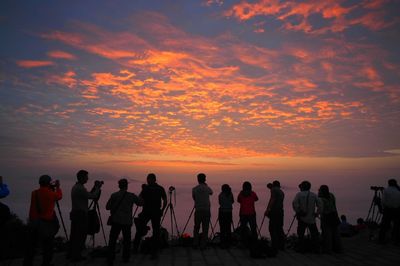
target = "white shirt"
x: 391, y: 197
x: 300, y: 204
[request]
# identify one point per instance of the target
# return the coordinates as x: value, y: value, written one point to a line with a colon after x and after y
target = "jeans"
x: 77, y: 239
x: 47, y: 244
x: 276, y: 229
x: 225, y: 224
x: 114, y: 233
x: 143, y: 219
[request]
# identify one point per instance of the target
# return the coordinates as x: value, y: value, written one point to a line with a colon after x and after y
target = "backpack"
x: 93, y: 222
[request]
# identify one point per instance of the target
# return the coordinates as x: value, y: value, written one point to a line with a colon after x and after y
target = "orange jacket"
x: 47, y: 199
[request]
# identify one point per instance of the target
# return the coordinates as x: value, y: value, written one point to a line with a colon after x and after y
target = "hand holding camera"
x: 98, y: 183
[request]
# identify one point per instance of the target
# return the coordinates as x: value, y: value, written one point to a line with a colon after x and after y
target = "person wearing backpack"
x: 79, y: 214
x: 307, y: 206
x: 43, y: 223
x: 120, y: 206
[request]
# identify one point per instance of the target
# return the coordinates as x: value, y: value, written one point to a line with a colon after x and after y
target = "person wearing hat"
x: 307, y: 206
x: 43, y: 222
x: 120, y: 206
x: 274, y: 212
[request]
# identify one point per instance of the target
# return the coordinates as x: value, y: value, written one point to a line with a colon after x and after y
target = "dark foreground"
x: 358, y: 251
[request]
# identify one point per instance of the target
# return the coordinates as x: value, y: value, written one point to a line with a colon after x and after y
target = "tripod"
x: 170, y: 207
x: 375, y: 210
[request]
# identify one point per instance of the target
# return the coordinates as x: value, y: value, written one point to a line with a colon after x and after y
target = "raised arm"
x: 4, y: 191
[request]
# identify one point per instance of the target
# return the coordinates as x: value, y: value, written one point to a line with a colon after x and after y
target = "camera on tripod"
x: 375, y: 188
x: 171, y: 188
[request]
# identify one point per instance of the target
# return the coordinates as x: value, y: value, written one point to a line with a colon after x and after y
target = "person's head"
x: 323, y: 191
x: 276, y: 183
x: 343, y: 218
x: 360, y: 221
x: 123, y: 184
x: 225, y: 188
x: 305, y: 186
x: 151, y: 179
x: 44, y: 181
x: 82, y: 176
x: 269, y: 185
x: 392, y: 183
x: 201, y: 178
x: 246, y: 186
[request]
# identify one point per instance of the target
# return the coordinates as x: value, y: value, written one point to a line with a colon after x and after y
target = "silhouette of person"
x: 329, y: 221
x: 152, y: 194
x: 247, y: 212
x: 275, y: 214
x: 391, y: 211
x: 4, y: 209
x: 4, y: 191
x: 345, y: 228
x: 43, y: 222
x: 225, y: 199
x: 307, y: 206
x: 79, y: 214
x: 120, y: 206
x: 202, y: 215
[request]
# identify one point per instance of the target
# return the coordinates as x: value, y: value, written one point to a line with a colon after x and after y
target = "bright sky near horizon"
x: 261, y: 85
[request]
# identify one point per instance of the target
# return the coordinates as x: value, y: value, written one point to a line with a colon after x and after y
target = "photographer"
x: 79, y: 214
x: 43, y: 222
x: 152, y: 195
x: 275, y: 214
x: 202, y: 215
x: 120, y: 206
x: 305, y: 204
x: 391, y: 211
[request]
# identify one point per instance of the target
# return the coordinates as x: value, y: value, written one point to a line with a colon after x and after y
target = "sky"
x: 236, y: 89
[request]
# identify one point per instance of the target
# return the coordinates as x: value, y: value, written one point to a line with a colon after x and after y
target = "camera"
x: 98, y: 183
x: 54, y: 184
x: 375, y: 188
x: 171, y: 188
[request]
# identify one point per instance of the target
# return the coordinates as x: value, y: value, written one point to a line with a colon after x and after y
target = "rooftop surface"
x: 358, y: 251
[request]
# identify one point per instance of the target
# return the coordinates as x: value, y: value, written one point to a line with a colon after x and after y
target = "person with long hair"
x: 247, y: 198
x: 329, y: 221
x: 226, y: 201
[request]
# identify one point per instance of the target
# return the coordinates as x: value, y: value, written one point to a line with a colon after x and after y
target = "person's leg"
x: 196, y: 228
x: 205, y: 224
x: 126, y: 233
x: 273, y: 230
x: 301, y: 229
x: 253, y: 227
x: 281, y: 234
x: 47, y: 246
x: 30, y: 247
x: 140, y: 223
x: 229, y: 222
x: 385, y: 224
x: 222, y: 228
x: 155, y: 223
x: 314, y: 236
x: 244, y: 235
x: 327, y: 236
x: 396, y: 226
x: 112, y: 241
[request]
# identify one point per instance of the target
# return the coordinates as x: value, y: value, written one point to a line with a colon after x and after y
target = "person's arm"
x: 232, y: 199
x: 320, y: 206
x: 95, y: 192
x: 193, y: 194
x: 239, y: 198
x: 296, y: 203
x: 164, y: 200
x: 210, y: 190
x: 57, y: 192
x: 270, y: 204
x: 110, y: 203
x: 4, y: 191
x: 255, y: 196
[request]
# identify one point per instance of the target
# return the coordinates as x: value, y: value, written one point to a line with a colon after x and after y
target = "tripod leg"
x: 62, y: 220
x: 212, y: 230
x: 190, y: 216
x: 291, y: 224
x: 165, y: 213
x: 101, y: 223
x: 259, y: 229
x: 176, y: 224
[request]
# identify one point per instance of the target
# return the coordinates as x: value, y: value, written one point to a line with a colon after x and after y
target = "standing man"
x: 307, y: 206
x: 275, y: 214
x: 391, y: 211
x: 43, y: 222
x: 152, y: 195
x: 201, y: 196
x: 79, y: 214
x: 120, y: 206
x: 4, y: 210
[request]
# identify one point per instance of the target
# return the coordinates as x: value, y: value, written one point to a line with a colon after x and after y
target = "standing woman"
x: 247, y: 212
x: 225, y: 200
x: 329, y: 221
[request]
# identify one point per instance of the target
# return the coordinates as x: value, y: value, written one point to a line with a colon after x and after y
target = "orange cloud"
x: 34, y: 63
x: 61, y: 55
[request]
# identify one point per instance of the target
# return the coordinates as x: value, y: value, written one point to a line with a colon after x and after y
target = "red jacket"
x: 247, y: 203
x: 47, y: 199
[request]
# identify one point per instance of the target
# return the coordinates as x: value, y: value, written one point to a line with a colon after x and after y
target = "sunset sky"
x: 129, y: 87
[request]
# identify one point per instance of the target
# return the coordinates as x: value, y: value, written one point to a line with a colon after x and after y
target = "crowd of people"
x: 307, y: 205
